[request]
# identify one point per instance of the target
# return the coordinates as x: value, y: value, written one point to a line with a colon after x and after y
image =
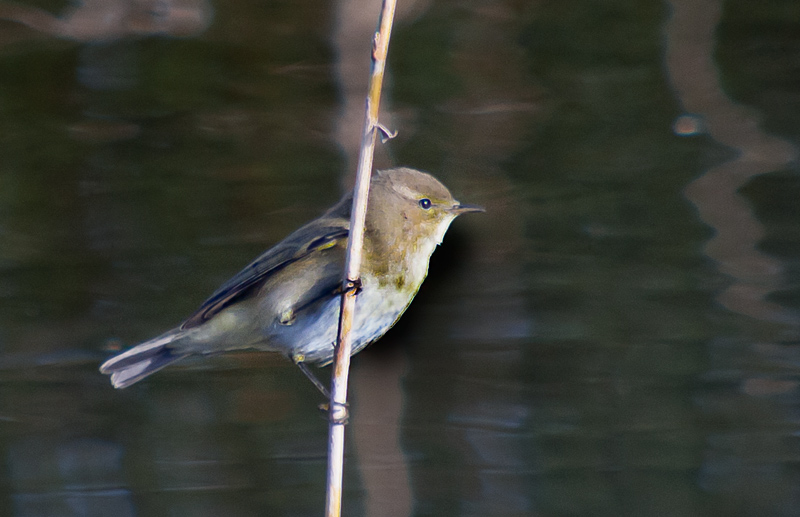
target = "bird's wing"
x: 327, y: 232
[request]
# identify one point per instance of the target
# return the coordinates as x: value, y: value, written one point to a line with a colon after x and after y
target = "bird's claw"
x: 354, y: 285
x: 339, y: 415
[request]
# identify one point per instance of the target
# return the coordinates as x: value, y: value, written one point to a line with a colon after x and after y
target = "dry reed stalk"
x: 341, y: 364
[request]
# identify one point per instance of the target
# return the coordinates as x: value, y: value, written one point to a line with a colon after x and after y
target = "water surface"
x: 617, y: 335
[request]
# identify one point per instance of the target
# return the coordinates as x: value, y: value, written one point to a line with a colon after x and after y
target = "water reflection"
x: 72, y: 477
x: 107, y: 20
x: 691, y: 43
x: 742, y: 460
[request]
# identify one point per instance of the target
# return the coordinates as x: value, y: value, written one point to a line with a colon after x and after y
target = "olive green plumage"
x: 287, y: 300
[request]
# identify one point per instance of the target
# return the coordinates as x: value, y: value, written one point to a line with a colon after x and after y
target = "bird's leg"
x: 340, y: 414
x: 313, y: 378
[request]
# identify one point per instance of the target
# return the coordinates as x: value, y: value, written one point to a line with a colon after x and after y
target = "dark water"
x: 618, y: 335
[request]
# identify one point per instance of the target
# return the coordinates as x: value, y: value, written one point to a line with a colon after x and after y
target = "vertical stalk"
x: 341, y: 364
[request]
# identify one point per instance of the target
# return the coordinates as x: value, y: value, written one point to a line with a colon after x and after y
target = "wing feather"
x: 326, y: 232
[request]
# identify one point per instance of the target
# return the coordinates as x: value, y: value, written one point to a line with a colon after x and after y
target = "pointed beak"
x: 463, y: 209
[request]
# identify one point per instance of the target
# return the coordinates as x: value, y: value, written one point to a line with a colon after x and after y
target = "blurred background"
x: 619, y: 334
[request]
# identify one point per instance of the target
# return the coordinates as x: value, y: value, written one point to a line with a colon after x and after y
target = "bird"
x: 287, y: 300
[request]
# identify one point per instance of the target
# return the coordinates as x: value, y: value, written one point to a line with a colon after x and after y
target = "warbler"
x: 287, y: 300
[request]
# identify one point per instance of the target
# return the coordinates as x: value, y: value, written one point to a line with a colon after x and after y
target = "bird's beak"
x: 463, y: 209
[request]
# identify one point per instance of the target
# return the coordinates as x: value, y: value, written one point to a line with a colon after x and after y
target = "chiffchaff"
x: 287, y: 299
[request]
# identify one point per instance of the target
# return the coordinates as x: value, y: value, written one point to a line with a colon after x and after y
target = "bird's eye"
x: 425, y: 203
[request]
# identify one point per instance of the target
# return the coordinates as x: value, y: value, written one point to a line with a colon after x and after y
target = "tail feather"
x: 142, y: 360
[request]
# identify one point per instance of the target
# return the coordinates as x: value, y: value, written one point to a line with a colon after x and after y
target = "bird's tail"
x: 140, y: 361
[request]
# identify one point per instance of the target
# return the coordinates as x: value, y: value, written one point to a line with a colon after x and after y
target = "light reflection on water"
x: 587, y: 346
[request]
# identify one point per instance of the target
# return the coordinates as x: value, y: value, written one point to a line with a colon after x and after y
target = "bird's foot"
x: 339, y: 415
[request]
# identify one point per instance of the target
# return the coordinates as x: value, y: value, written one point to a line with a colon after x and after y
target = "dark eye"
x: 425, y: 203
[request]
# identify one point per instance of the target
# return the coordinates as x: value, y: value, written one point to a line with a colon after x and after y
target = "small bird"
x: 287, y: 300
